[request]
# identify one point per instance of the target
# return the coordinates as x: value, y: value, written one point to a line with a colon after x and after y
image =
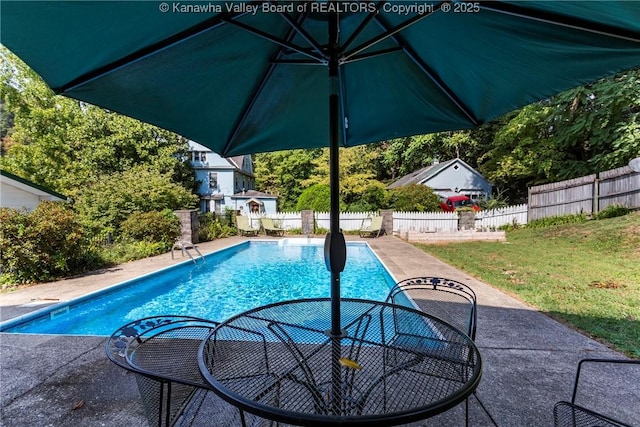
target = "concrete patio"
x: 529, y: 359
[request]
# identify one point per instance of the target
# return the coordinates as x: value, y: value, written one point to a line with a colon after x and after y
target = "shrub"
x: 213, y: 228
x: 414, y: 197
x: 317, y: 197
x: 613, y: 211
x: 131, y: 250
x: 41, y: 245
x: 557, y: 220
x: 152, y: 227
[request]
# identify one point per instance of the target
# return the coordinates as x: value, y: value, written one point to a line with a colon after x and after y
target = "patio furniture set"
x: 392, y: 364
x: 279, y: 364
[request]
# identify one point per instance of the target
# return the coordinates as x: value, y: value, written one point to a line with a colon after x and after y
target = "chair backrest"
x: 267, y: 223
x: 448, y: 299
x: 171, y: 353
x: 117, y: 343
x: 376, y: 223
x: 603, y: 390
x: 242, y: 222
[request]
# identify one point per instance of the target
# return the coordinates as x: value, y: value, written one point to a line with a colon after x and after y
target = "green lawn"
x: 587, y: 275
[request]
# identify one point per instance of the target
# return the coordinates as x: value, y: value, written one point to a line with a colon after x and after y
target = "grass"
x: 586, y: 275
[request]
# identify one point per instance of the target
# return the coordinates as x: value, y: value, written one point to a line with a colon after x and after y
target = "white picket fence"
x: 348, y: 220
x: 424, y: 222
x: 407, y: 221
x: 494, y: 218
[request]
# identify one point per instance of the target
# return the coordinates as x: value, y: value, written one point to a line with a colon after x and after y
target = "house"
x: 18, y: 193
x: 451, y: 176
x: 227, y: 183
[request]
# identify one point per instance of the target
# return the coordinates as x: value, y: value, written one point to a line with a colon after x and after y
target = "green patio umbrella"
x: 245, y: 77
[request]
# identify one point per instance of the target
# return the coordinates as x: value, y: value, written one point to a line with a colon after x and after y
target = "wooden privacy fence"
x: 588, y: 194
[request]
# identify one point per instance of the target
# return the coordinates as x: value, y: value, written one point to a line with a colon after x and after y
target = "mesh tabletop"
x: 391, y: 365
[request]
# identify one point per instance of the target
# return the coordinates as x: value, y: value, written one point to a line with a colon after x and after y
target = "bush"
x: 317, y: 197
x: 557, y: 220
x: 414, y: 197
x: 612, y: 211
x: 129, y: 251
x: 41, y: 245
x: 213, y: 228
x: 152, y: 227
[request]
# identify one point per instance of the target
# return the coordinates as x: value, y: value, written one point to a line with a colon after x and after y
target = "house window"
x: 213, y: 179
x: 198, y: 156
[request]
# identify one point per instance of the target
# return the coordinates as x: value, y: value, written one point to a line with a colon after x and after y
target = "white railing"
x: 425, y: 221
x: 494, y: 218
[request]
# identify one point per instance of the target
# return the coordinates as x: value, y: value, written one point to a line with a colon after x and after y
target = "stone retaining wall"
x: 446, y: 237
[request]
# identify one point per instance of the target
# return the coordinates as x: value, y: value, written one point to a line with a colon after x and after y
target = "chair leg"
x: 466, y: 412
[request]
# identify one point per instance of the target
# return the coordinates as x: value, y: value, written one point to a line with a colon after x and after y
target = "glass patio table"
x: 391, y: 365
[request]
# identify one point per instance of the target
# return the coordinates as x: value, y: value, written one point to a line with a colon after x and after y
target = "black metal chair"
x: 163, y: 353
x: 571, y: 414
x: 447, y: 299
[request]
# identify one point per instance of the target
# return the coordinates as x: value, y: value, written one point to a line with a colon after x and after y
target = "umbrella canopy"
x: 244, y: 76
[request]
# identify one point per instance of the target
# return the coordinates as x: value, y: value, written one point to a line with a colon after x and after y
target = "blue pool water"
x: 232, y: 280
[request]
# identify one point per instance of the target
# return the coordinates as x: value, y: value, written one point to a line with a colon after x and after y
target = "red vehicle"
x: 451, y: 203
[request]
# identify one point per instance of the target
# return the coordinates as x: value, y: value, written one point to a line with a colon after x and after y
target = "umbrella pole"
x: 335, y: 249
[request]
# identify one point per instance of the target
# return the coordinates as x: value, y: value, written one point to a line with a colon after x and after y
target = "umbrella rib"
x: 362, y: 25
x: 259, y: 88
x: 316, y: 46
x: 373, y: 54
x: 344, y: 116
x: 427, y: 71
x: 277, y: 40
x: 388, y: 33
x: 207, y: 25
x: 562, y: 21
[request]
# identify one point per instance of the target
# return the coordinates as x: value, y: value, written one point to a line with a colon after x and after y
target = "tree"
x: 357, y: 172
x: 317, y: 197
x: 281, y: 173
x: 110, y: 164
x: 414, y: 197
x: 578, y: 132
x: 106, y: 203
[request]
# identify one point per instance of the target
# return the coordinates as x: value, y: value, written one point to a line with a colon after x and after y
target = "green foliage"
x: 212, y: 228
x: 317, y: 197
x: 613, y: 211
x: 155, y: 227
x: 578, y: 132
x: 282, y: 173
x: 497, y: 200
x: 41, y: 245
x: 125, y: 251
x: 414, y: 197
x: 107, y: 203
x: 557, y: 220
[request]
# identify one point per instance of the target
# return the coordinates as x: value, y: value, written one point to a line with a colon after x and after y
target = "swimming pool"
x: 230, y: 281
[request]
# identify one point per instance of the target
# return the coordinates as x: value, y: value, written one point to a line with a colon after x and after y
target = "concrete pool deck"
x: 529, y: 359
